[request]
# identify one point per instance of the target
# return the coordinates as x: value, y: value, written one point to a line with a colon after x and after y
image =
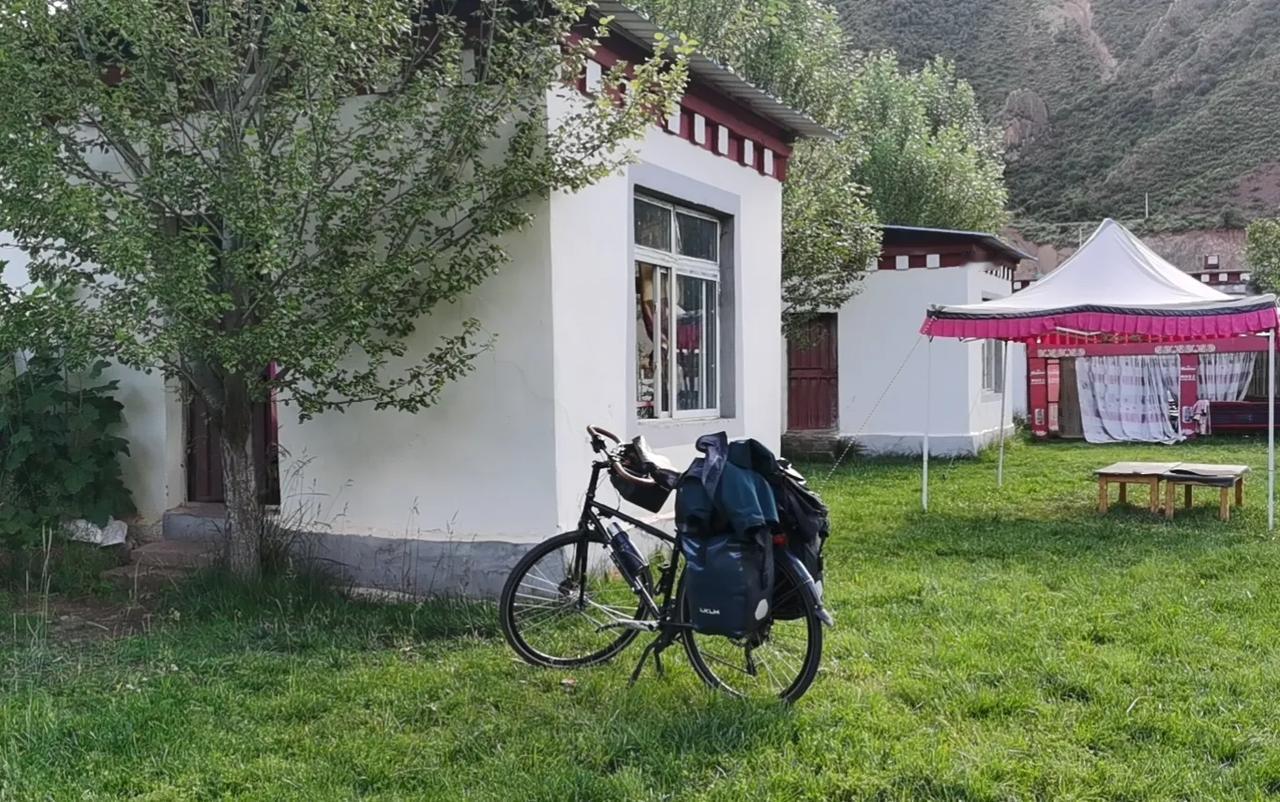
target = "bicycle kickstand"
x: 655, y: 647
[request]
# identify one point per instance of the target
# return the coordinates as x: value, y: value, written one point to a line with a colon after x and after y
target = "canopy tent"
x: 1114, y: 286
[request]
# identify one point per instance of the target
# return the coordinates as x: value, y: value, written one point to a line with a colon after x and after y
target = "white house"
x: 648, y: 304
x: 865, y: 372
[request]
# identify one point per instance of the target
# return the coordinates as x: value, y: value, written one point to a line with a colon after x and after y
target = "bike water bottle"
x: 633, y: 567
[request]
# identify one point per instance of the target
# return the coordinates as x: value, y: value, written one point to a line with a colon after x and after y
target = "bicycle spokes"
x: 569, y: 604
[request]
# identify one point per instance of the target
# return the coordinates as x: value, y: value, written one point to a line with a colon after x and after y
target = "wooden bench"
x: 1188, y: 475
x: 1132, y: 473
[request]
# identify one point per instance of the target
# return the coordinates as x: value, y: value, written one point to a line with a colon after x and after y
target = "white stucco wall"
x: 479, y: 464
x: 504, y: 456
x: 878, y: 329
x: 594, y: 306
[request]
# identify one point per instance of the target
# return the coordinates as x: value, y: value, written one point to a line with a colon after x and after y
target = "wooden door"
x: 204, y: 454
x: 813, y: 376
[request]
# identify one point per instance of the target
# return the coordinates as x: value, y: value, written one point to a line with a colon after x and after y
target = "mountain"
x: 1105, y: 101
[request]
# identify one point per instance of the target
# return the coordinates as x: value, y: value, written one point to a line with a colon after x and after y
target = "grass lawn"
x: 1008, y: 645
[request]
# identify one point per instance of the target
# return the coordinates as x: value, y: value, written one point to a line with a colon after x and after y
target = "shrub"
x: 58, y: 458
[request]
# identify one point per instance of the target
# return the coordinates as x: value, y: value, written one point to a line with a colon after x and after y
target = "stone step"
x: 202, y: 523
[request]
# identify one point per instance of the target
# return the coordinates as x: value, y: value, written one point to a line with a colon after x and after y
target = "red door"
x: 812, y: 376
x: 204, y: 456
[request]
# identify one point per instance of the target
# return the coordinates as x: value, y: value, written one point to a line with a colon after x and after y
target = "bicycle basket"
x: 646, y: 495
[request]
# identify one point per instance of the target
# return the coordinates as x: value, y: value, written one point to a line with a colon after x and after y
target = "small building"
x: 648, y: 303
x: 862, y: 373
x: 1230, y: 279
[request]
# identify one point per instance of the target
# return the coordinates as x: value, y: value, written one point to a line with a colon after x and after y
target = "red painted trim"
x: 1221, y: 345
x: 724, y: 111
x: 1038, y: 396
x: 718, y: 110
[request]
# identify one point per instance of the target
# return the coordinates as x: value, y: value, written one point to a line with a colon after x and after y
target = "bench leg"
x: 1186, y: 496
x: 1240, y: 492
x: 1168, y: 500
x: 1124, y: 492
x: 1102, y: 495
x: 1155, y: 495
x: 1224, y: 504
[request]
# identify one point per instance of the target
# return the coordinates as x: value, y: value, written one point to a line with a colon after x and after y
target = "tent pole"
x: 928, y: 404
x: 1004, y: 403
x: 1271, y: 430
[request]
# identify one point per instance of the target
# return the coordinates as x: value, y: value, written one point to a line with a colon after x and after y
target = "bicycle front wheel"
x: 780, y: 661
x: 560, y: 604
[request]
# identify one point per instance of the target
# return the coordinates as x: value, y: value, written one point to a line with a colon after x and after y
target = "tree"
x: 796, y: 50
x: 211, y: 187
x: 932, y: 159
x: 913, y: 148
x: 1262, y: 251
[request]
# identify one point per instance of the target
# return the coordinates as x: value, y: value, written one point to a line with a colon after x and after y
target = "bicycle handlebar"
x: 598, y: 437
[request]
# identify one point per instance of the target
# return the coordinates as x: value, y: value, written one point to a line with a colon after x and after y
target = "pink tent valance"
x: 1201, y: 326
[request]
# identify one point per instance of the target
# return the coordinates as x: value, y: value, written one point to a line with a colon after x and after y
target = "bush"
x: 58, y: 458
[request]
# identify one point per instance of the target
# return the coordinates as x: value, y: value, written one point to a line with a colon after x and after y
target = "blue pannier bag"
x: 726, y: 515
x: 728, y: 583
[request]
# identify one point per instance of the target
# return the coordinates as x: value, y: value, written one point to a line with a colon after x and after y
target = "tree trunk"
x: 240, y: 481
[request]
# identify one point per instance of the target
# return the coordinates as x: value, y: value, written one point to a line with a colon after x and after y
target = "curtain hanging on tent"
x: 1225, y: 377
x: 1126, y: 398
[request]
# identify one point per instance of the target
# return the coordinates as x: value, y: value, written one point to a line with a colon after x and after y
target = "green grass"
x: 1011, y: 644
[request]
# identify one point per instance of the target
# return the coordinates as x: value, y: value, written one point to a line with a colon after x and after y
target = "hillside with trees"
x: 1104, y: 101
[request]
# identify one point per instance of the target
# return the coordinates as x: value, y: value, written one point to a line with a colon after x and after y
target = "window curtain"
x: 1127, y: 398
x: 1225, y: 377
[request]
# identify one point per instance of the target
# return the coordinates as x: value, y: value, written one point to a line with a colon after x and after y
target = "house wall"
x: 889, y: 371
x: 480, y: 465
x: 448, y: 499
x: 594, y: 307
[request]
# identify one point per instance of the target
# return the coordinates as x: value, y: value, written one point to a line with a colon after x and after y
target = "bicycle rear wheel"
x: 558, y: 602
x: 781, y: 661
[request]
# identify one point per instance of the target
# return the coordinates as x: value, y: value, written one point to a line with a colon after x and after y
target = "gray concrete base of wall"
x: 471, y: 568
x: 940, y: 445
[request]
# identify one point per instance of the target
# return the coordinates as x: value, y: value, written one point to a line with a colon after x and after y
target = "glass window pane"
x: 647, y: 364
x: 664, y: 337
x: 653, y: 225
x: 712, y: 349
x: 690, y: 343
x: 698, y: 237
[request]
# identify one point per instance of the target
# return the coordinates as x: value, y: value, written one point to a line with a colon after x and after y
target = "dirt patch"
x: 1259, y: 188
x: 82, y: 620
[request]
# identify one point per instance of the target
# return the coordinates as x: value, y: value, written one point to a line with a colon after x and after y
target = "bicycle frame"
x: 595, y: 512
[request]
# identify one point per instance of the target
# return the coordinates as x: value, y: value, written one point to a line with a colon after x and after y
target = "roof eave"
x: 637, y: 28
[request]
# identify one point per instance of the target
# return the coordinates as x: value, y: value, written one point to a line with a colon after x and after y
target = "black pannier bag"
x: 807, y: 523
x: 726, y: 516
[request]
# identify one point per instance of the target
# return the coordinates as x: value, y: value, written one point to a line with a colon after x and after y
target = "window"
x: 993, y: 366
x: 677, y: 277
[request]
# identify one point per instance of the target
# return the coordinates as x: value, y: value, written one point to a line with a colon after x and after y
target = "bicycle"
x: 578, y: 599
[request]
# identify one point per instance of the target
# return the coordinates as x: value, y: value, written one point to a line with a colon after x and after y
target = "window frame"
x: 989, y: 358
x: 673, y: 264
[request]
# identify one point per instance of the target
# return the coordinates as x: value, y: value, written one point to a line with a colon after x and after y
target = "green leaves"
x: 58, y: 460
x: 914, y: 147
x: 271, y: 182
x: 1262, y: 250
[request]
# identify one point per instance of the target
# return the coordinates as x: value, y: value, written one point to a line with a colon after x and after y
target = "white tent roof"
x: 1113, y: 283
x: 1112, y: 269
